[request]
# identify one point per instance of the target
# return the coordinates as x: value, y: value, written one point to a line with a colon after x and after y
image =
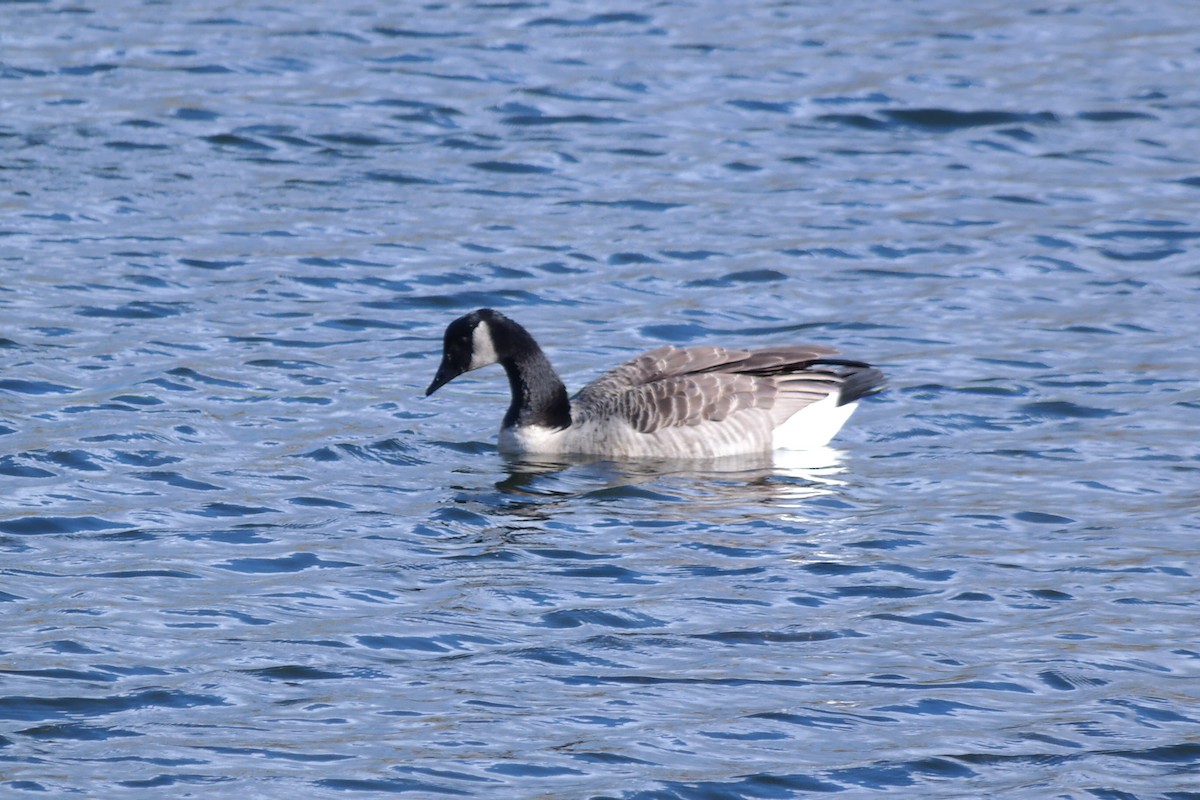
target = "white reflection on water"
x: 729, y: 488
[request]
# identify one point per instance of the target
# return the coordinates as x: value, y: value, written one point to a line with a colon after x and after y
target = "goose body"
x: 670, y: 402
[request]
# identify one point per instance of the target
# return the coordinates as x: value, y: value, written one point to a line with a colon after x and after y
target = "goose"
x: 670, y: 402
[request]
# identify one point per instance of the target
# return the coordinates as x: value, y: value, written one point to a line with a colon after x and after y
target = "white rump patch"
x: 813, y: 426
x: 483, y: 349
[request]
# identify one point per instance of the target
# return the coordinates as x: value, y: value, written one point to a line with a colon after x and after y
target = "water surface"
x: 241, y: 557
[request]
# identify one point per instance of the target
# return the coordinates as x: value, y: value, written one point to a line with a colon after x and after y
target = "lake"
x: 243, y: 557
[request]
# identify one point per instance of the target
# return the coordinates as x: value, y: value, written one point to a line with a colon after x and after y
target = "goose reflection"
x: 714, y: 489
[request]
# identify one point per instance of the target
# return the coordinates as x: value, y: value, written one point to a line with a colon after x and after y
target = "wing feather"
x: 672, y: 387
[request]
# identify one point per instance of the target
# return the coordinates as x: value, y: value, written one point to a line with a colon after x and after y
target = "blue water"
x: 242, y: 558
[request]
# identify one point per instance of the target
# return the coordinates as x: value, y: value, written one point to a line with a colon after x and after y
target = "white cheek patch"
x: 483, y: 349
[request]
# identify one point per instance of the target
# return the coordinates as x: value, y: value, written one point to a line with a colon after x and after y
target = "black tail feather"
x: 859, y: 378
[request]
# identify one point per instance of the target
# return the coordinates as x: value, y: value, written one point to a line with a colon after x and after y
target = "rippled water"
x: 242, y: 558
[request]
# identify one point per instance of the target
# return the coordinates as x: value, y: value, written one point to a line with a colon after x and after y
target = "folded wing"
x: 674, y: 387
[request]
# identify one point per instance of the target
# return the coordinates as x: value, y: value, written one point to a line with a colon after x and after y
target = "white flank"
x: 483, y: 349
x: 812, y: 426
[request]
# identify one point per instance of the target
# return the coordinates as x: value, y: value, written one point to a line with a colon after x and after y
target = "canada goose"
x: 671, y: 402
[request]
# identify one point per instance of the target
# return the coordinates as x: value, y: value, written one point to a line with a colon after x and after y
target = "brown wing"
x: 672, y: 386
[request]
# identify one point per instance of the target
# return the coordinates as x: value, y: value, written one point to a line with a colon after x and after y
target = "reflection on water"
x: 243, y: 556
x: 686, y: 489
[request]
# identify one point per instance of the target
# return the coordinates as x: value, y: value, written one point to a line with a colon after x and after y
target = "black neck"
x: 538, y: 394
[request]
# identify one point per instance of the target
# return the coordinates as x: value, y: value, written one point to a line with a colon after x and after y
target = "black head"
x: 468, y: 344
